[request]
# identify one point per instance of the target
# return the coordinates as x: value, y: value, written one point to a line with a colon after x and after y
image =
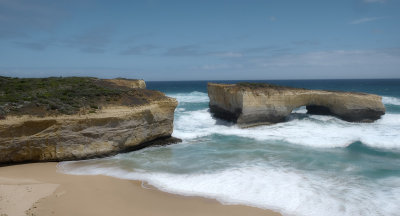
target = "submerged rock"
x: 131, y: 120
x: 251, y: 104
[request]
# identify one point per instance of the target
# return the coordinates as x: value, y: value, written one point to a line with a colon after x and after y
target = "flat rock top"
x: 127, y: 83
x: 67, y: 96
x: 266, y: 87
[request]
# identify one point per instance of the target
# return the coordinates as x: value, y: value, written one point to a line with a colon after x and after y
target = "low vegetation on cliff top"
x: 70, y: 95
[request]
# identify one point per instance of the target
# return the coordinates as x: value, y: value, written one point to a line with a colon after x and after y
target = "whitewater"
x: 309, y: 165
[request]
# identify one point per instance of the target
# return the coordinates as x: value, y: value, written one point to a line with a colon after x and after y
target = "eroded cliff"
x: 133, y: 119
x: 257, y: 104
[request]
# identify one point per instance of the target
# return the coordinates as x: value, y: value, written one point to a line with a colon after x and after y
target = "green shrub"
x: 63, y: 95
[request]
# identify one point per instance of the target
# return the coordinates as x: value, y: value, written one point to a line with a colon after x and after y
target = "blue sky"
x: 201, y: 40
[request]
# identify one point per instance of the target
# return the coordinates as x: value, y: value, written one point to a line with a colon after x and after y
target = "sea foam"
x: 391, y: 100
x: 302, y: 129
x: 309, y: 130
x: 192, y: 97
x: 289, y: 191
x: 269, y: 183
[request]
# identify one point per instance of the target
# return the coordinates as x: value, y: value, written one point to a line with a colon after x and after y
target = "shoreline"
x: 38, y: 189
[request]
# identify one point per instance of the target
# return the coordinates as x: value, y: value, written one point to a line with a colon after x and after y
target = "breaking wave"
x: 272, y: 181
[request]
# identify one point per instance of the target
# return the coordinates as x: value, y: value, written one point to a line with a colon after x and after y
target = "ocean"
x: 310, y: 165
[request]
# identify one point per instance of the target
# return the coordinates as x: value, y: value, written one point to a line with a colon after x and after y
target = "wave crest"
x: 308, y: 130
x: 391, y: 100
x: 192, y: 97
x: 286, y: 190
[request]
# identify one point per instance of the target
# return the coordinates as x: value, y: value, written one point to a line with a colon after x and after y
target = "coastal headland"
x: 56, y: 119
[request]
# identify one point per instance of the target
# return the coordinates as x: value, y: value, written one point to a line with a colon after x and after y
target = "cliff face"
x: 251, y: 105
x: 111, y: 130
x: 134, y: 120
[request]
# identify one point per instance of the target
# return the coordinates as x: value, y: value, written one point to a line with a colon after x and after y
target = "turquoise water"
x: 309, y: 165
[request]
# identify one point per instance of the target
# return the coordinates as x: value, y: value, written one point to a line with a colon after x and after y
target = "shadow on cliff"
x: 219, y: 121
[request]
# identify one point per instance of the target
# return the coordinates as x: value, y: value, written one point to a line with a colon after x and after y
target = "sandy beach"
x: 38, y: 189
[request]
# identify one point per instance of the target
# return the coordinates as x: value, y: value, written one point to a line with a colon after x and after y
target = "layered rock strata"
x: 138, y: 119
x: 250, y: 104
x: 111, y: 130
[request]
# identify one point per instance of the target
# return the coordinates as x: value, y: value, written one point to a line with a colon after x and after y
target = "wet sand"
x: 38, y: 189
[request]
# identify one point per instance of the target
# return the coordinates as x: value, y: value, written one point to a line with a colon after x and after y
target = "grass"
x: 56, y: 94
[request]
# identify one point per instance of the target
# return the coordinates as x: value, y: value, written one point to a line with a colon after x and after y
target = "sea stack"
x: 252, y: 104
x: 80, y: 118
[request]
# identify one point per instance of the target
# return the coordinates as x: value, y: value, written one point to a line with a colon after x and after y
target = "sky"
x: 160, y: 40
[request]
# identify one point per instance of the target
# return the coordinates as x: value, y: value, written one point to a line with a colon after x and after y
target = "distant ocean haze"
x: 310, y: 165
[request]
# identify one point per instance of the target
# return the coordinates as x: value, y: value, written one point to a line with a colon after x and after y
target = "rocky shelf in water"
x: 252, y: 104
x: 56, y: 119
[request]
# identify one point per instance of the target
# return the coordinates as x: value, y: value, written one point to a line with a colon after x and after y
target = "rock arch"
x: 258, y: 104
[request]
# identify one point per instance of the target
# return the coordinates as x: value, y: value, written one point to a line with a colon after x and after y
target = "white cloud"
x: 334, y: 64
x: 336, y: 58
x: 337, y: 64
x: 364, y: 20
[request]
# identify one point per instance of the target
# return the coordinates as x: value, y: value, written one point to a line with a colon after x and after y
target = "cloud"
x: 364, y: 20
x: 337, y: 58
x: 37, y: 46
x: 258, y: 49
x: 305, y: 43
x: 186, y: 50
x: 139, y: 50
x: 195, y: 50
x: 25, y: 21
x: 92, y: 41
x: 18, y: 18
x: 136, y: 37
x: 265, y: 51
x: 337, y: 64
x: 334, y: 58
x: 211, y: 67
x: 334, y: 64
x: 92, y: 50
x: 395, y: 51
x: 227, y: 54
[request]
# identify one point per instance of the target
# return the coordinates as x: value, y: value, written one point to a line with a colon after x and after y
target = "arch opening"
x: 318, y: 110
x: 302, y: 111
